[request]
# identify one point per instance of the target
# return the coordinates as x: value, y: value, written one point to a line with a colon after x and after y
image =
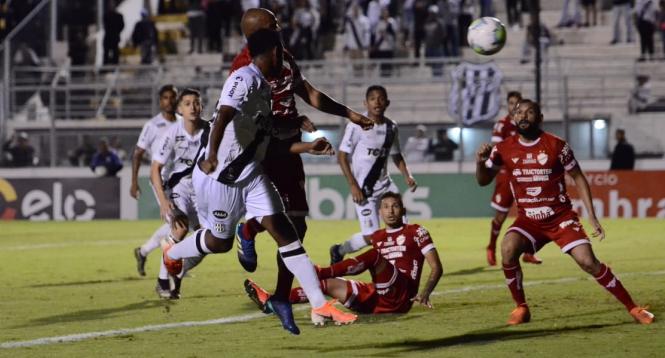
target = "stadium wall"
x: 445, y: 190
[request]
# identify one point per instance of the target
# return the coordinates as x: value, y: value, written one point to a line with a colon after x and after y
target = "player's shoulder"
x: 415, y: 229
x: 242, y: 59
x: 507, y: 143
x: 552, y: 138
x: 390, y: 122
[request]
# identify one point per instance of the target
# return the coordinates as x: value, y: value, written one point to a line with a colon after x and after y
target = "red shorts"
x: 502, y: 198
x: 394, y: 297
x: 566, y: 231
x: 286, y: 171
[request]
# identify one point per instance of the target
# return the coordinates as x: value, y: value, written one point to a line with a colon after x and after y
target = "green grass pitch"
x: 62, y: 279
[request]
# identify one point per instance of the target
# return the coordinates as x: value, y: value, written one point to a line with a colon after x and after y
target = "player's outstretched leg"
x: 531, y: 259
x: 512, y: 246
x: 141, y: 252
x: 355, y: 243
x: 257, y: 294
x: 585, y: 258
x: 352, y: 266
x: 497, y: 222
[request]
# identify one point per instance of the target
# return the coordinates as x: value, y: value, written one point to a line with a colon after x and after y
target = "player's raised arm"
x: 436, y: 271
x: 484, y: 174
x: 320, y: 146
x: 584, y: 191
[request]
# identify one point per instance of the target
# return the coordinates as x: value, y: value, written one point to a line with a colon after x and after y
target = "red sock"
x: 494, y: 234
x: 251, y: 228
x: 514, y: 281
x: 298, y: 294
x: 612, y: 284
x: 352, y: 266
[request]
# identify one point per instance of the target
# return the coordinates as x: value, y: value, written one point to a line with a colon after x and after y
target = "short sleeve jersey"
x: 283, y: 96
x: 503, y: 128
x: 366, y: 147
x: 153, y: 129
x: 537, y: 174
x: 405, y: 248
x: 177, y: 147
x: 248, y: 133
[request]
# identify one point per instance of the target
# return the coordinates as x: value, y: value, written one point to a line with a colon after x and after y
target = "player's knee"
x: 218, y: 245
x: 179, y: 233
x: 589, y: 265
x: 511, y: 249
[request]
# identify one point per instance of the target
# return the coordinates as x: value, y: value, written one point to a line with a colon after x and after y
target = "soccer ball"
x: 486, y: 35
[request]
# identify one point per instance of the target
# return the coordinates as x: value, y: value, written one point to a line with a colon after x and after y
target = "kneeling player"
x: 395, y: 263
x: 536, y: 162
x: 171, y: 176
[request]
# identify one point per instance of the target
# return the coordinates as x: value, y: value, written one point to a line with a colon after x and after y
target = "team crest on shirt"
x: 534, y: 191
x: 529, y: 159
x: 400, y: 240
x: 542, y: 158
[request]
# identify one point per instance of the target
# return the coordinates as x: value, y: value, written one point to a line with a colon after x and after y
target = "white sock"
x: 192, y: 246
x: 355, y: 243
x: 163, y: 274
x: 153, y: 242
x: 296, y: 260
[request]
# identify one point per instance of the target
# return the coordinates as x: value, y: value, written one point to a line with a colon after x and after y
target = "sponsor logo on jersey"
x: 219, y: 227
x: 497, y: 198
x: 235, y: 85
x: 534, y: 200
x: 529, y: 159
x: 567, y: 223
x: 517, y: 172
x: 366, y: 212
x: 160, y: 125
x: 542, y: 158
x: 534, y: 190
x: 515, y: 160
x: 179, y: 138
x: 188, y: 162
x: 562, y: 198
x: 220, y: 214
x: 174, y: 196
x: 539, y: 213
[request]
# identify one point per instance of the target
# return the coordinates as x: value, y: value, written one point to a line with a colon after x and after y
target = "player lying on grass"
x: 395, y: 263
x: 229, y: 182
x: 537, y: 162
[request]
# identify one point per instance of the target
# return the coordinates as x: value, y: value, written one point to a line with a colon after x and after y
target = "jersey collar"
x: 529, y: 144
x: 390, y: 231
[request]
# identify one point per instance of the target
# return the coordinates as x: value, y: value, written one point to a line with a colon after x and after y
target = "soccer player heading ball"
x: 537, y: 162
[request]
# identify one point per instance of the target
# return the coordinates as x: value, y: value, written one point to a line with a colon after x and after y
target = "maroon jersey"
x: 503, y: 128
x: 537, y: 174
x: 283, y: 101
x: 405, y: 248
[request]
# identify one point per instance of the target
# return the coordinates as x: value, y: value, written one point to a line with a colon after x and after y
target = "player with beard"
x: 536, y: 162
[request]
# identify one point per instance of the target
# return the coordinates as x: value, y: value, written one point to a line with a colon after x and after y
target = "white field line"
x: 249, y: 317
x: 66, y: 244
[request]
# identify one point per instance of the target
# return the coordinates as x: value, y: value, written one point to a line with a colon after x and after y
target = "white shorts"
x: 368, y: 211
x: 184, y: 198
x: 221, y: 206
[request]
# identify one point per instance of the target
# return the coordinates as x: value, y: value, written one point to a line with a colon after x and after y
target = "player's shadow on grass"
x: 470, y: 271
x: 83, y: 283
x: 97, y: 314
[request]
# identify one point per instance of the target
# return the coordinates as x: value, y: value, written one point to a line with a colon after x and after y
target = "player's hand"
x: 165, y: 210
x: 209, y: 165
x: 411, y: 182
x: 357, y: 194
x: 483, y: 153
x: 135, y: 190
x: 423, y: 300
x: 321, y: 146
x: 361, y: 120
x: 306, y: 124
x: 598, y: 230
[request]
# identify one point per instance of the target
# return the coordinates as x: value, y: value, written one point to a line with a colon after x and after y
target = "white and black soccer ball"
x: 486, y: 35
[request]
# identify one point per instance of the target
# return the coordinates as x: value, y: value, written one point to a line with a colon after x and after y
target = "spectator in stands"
x: 590, y: 13
x: 116, y: 147
x: 145, y: 37
x: 513, y: 14
x: 407, y: 21
x: 568, y: 20
x: 546, y: 39
x: 646, y: 17
x: 442, y: 147
x: 218, y: 14
x: 105, y: 158
x: 420, y: 15
x: 435, y: 39
x: 356, y: 33
x: 330, y: 15
x: 18, y: 152
x: 450, y: 12
x: 640, y: 96
x: 416, y: 148
x: 623, y: 156
x: 486, y: 8
x: 622, y: 8
x: 196, y: 23
x: 384, y: 41
x: 83, y: 154
x: 661, y: 24
x: 113, y: 25
x: 305, y: 26
x: 78, y: 46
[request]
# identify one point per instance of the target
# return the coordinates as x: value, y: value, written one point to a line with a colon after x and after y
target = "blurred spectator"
x: 217, y: 15
x: 530, y: 42
x: 449, y: 11
x: 623, y: 156
x: 82, y: 155
x: 486, y: 8
x: 105, y: 162
x: 116, y: 147
x: 384, y: 41
x: 420, y: 16
x: 113, y: 25
x: 145, y: 37
x: 590, y: 13
x: 305, y: 25
x: 568, y: 20
x: 646, y: 17
x: 661, y: 24
x: 640, y: 96
x: 435, y: 37
x: 513, y: 14
x: 374, y: 8
x: 356, y: 32
x: 18, y: 152
x: 442, y: 147
x: 330, y: 15
x: 196, y: 23
x: 249, y: 4
x: 407, y: 21
x: 78, y: 45
x: 622, y: 8
x: 467, y: 12
x: 416, y: 148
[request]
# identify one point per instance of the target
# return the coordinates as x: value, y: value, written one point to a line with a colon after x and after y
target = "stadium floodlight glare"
x: 599, y: 124
x: 455, y: 132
